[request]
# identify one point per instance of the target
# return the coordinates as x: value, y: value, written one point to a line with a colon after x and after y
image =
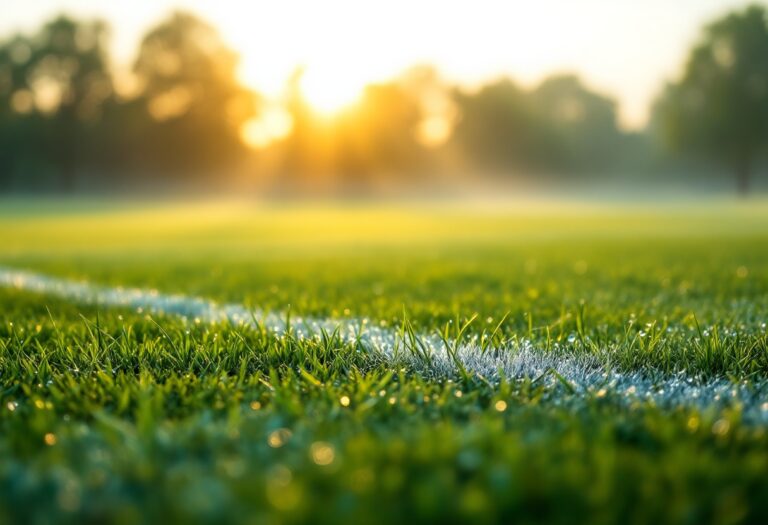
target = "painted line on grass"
x: 578, y: 374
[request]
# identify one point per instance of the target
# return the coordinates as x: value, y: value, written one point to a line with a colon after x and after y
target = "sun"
x: 329, y: 89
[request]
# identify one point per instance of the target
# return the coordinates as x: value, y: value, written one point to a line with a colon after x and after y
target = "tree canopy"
x: 53, y: 86
x: 558, y: 127
x: 719, y: 107
x: 189, y: 89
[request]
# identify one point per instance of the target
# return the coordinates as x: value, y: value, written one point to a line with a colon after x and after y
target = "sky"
x: 626, y: 48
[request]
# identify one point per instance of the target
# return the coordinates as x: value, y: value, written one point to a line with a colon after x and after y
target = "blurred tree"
x: 437, y: 107
x: 16, y: 106
x: 719, y: 108
x: 195, y: 104
x: 574, y: 129
x: 305, y: 152
x: 53, y: 87
x: 560, y: 126
x: 494, y: 125
x: 378, y: 134
x: 371, y: 140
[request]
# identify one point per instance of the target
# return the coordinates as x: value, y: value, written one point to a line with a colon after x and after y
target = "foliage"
x: 55, y: 85
x: 189, y: 89
x: 373, y: 139
x: 61, y: 113
x: 560, y: 126
x: 719, y: 108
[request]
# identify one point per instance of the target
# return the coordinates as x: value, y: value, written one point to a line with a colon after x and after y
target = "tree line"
x: 67, y: 123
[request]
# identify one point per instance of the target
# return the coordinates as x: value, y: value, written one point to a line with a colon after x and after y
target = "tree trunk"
x: 744, y: 175
x: 5, y: 176
x: 67, y: 132
x: 68, y: 176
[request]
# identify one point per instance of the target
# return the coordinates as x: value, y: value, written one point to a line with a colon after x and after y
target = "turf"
x: 114, y: 415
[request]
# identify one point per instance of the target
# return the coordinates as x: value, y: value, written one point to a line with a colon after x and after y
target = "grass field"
x: 533, y: 362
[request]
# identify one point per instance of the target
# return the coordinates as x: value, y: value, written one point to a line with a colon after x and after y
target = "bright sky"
x: 624, y: 47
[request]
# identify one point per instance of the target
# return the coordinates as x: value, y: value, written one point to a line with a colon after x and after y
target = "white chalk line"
x: 585, y: 375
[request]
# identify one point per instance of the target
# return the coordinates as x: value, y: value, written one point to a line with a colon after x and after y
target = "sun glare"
x: 328, y: 90
x: 273, y: 124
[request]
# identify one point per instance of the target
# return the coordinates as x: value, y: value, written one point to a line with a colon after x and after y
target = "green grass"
x: 109, y: 415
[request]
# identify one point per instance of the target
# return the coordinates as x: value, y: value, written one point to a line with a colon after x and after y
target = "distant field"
x: 532, y: 362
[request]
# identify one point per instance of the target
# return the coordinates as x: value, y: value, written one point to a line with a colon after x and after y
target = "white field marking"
x: 587, y: 376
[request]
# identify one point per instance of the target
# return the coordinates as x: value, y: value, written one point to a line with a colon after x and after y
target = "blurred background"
x: 338, y: 99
